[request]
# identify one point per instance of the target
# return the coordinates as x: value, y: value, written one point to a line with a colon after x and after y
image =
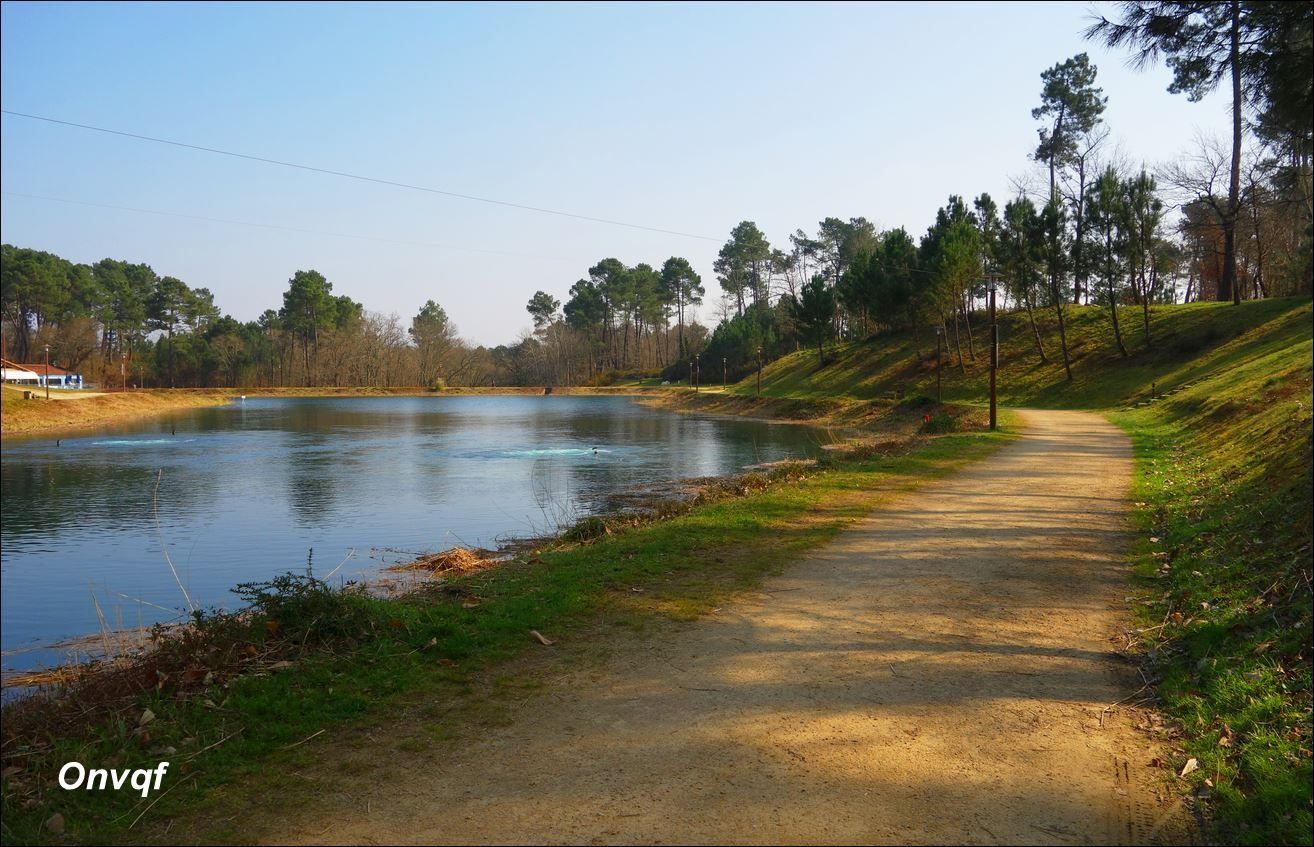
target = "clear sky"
x: 681, y: 117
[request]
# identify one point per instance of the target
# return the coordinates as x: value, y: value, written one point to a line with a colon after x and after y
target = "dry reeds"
x: 457, y: 560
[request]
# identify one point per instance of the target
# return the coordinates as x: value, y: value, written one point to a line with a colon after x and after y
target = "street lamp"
x: 47, y: 371
x: 939, y: 359
x: 724, y: 381
x: 759, y: 371
x: 697, y: 368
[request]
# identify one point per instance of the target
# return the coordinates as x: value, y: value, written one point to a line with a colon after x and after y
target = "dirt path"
x: 938, y: 675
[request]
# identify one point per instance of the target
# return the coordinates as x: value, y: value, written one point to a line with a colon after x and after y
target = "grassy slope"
x: 1189, y: 341
x: 1223, y: 484
x: 1225, y: 474
x: 675, y: 569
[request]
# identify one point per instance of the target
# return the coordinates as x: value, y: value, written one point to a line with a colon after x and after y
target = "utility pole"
x: 759, y: 372
x: 994, y: 350
x: 939, y: 386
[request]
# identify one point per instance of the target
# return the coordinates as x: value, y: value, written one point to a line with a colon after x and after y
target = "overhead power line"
x: 359, y: 177
x: 280, y: 227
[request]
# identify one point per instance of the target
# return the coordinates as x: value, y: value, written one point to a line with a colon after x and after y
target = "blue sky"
x: 682, y: 117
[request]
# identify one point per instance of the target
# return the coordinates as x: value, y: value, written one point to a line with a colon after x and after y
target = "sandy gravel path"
x: 940, y: 674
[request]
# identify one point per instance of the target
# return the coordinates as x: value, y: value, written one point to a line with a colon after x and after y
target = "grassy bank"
x: 73, y: 411
x: 327, y: 661
x: 1224, y: 482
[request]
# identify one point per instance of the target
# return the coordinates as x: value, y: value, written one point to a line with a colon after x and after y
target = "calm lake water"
x: 245, y: 491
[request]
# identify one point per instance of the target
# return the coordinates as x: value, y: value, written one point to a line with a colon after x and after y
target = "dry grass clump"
x: 454, y: 561
x: 742, y: 485
x: 869, y: 448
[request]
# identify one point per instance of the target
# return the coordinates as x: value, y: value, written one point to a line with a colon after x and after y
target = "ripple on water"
x: 534, y: 453
x: 140, y: 442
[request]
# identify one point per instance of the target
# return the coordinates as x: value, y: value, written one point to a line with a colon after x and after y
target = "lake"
x: 246, y: 491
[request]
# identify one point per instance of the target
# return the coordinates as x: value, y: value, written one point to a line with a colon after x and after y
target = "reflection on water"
x: 245, y: 491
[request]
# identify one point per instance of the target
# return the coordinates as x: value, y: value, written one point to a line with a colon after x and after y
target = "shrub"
x: 939, y: 422
x: 586, y: 530
x: 300, y: 609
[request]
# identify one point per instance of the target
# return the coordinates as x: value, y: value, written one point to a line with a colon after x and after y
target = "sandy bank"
x: 39, y: 417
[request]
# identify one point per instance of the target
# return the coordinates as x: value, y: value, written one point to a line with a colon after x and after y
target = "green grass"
x: 1224, y: 476
x: 429, y: 651
x: 1188, y: 342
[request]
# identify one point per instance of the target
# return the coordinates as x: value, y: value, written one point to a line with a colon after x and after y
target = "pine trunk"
x: 1063, y: 333
x: 967, y: 321
x: 958, y: 345
x: 1035, y: 330
x: 1113, y: 310
x: 1227, y: 284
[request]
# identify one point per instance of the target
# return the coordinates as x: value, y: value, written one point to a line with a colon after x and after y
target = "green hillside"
x: 1188, y: 342
x: 1223, y: 507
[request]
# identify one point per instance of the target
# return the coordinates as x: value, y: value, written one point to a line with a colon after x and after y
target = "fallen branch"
x: 304, y: 740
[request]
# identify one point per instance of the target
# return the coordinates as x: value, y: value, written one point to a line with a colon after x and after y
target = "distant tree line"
x: 122, y: 324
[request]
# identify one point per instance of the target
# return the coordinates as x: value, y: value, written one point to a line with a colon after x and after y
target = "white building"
x: 38, y: 375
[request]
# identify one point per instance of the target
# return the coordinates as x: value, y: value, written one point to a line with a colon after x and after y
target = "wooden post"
x: 994, y: 352
x: 939, y: 359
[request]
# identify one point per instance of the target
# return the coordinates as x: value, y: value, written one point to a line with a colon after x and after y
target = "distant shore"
x: 76, y: 410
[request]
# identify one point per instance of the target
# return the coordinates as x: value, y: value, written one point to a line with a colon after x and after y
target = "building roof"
x: 39, y: 370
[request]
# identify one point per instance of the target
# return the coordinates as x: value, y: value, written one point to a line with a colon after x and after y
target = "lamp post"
x: 994, y: 348
x: 759, y: 371
x: 724, y: 382
x: 47, y: 371
x: 939, y: 359
x: 696, y: 374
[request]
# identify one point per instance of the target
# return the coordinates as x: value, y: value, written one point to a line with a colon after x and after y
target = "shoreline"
x: 634, y: 507
x: 39, y: 418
